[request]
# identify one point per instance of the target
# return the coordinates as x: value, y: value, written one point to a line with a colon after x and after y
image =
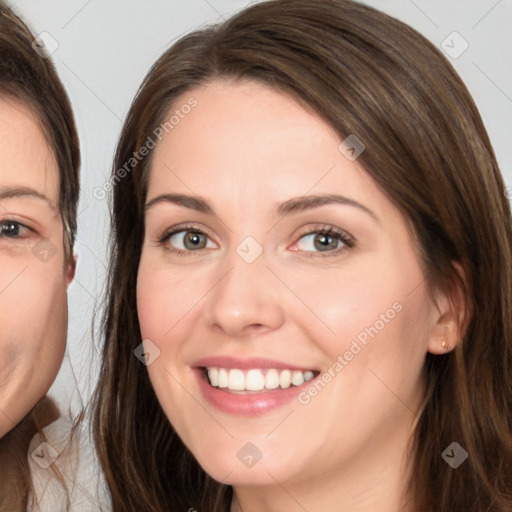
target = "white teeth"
x: 236, y: 380
x: 256, y: 379
x: 213, y: 375
x: 271, y: 379
x: 285, y: 379
x: 223, y: 378
x: 297, y: 378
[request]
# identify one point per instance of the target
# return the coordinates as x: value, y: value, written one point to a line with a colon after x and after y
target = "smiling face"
x: 33, y: 281
x: 275, y: 264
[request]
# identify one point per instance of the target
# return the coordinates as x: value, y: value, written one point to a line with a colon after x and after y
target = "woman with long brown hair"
x: 309, y: 305
x: 39, y: 188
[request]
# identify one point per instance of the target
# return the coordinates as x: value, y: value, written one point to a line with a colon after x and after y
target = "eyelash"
x: 22, y: 228
x: 347, y: 240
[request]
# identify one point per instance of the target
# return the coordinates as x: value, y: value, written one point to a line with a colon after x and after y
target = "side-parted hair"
x: 28, y: 78
x: 368, y: 74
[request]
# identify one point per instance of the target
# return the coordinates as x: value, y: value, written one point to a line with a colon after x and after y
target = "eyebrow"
x: 9, y: 193
x: 293, y: 205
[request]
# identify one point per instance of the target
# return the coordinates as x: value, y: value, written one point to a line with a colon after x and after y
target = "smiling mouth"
x: 256, y: 380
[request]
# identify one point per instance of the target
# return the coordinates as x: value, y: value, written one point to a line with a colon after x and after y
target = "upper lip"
x: 247, y: 363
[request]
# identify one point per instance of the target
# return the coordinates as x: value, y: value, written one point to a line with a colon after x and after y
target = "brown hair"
x: 368, y: 74
x: 27, y: 77
x: 15, y: 484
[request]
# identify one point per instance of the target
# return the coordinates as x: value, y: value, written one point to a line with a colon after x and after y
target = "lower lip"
x: 248, y: 404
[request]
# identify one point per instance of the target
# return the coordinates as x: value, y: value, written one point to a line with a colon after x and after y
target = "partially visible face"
x: 33, y: 281
x: 311, y: 317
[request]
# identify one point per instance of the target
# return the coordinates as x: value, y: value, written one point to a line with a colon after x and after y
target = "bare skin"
x: 246, y: 148
x: 33, y: 274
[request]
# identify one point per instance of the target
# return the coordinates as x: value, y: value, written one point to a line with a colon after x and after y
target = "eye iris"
x: 193, y: 240
x: 10, y: 229
x: 324, y: 242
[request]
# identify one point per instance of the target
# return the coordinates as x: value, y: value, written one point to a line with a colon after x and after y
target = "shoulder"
x: 64, y: 471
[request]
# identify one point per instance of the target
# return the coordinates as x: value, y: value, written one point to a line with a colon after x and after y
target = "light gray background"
x: 105, y: 47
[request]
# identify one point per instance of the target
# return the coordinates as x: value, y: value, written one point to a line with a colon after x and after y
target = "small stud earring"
x: 445, y: 345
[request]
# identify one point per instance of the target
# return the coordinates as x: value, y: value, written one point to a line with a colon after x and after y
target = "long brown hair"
x: 368, y: 74
x: 32, y: 80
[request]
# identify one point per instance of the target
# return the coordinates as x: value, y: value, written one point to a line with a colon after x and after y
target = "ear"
x: 71, y: 269
x: 449, y: 324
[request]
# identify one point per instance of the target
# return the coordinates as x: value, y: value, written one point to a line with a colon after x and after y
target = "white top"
x: 76, y: 461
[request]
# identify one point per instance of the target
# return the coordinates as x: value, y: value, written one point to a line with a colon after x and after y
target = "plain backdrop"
x: 103, y: 49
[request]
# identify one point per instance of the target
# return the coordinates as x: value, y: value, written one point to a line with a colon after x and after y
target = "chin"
x: 240, y: 462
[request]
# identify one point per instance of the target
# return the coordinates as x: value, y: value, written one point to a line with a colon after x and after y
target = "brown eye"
x: 194, y: 240
x: 10, y: 229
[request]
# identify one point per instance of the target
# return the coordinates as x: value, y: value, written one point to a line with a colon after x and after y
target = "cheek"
x: 153, y: 299
x: 11, y: 352
x: 32, y: 339
x: 357, y: 301
x: 371, y: 321
x: 32, y: 301
x: 164, y: 297
x: 379, y: 320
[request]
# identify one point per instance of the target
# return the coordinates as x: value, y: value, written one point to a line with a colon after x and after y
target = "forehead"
x: 26, y: 158
x: 246, y: 142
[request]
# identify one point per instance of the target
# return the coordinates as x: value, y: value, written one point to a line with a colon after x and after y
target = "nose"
x: 247, y: 299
